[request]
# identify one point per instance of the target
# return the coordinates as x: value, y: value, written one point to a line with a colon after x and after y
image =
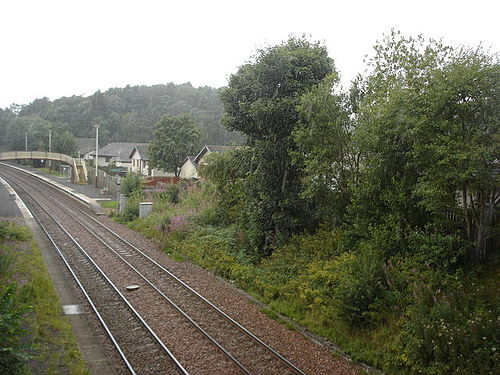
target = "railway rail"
x: 165, y: 304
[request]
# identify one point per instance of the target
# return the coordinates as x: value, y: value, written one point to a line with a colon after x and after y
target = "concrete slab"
x: 72, y: 309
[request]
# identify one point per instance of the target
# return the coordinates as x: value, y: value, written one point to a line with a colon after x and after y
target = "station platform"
x: 88, y: 190
x: 86, y: 193
x: 8, y: 205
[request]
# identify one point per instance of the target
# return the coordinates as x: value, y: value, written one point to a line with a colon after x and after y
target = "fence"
x: 107, y: 183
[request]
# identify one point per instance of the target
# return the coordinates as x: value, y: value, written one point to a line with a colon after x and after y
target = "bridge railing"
x: 10, y: 155
x: 43, y: 155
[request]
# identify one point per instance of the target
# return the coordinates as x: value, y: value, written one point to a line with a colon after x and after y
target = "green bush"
x: 170, y: 195
x: 449, y: 330
x: 10, y: 231
x: 131, y: 185
x: 441, y: 251
x: 13, y: 347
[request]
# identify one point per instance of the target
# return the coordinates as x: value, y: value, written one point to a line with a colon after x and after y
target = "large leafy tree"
x: 427, y: 133
x: 261, y: 102
x: 325, y: 150
x: 175, y: 137
x: 456, y: 146
x: 6, y: 116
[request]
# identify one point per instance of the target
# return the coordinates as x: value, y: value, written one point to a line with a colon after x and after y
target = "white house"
x: 117, y: 153
x: 189, y: 168
x: 140, y: 163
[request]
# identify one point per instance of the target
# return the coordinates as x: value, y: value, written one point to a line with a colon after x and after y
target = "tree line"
x: 370, y: 213
x: 123, y: 114
x: 412, y: 147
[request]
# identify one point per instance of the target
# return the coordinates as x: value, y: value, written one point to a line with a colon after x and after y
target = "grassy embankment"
x: 422, y: 320
x: 36, y: 338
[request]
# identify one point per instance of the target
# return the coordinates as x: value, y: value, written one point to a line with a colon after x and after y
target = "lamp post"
x: 50, y: 148
x: 26, y: 141
x: 96, y: 151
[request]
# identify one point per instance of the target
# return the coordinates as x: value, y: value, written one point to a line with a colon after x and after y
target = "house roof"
x: 118, y: 151
x: 213, y: 148
x: 189, y: 158
x: 85, y: 145
x: 142, y: 150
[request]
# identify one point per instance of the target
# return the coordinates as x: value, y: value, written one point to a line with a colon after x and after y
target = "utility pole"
x: 26, y: 141
x: 50, y: 148
x: 96, y: 151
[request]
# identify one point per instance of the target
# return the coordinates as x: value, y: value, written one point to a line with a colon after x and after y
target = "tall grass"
x: 46, y: 344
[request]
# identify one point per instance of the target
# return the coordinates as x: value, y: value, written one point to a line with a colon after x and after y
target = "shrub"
x: 441, y: 251
x: 170, y: 195
x: 362, y: 285
x: 449, y: 331
x: 13, y: 351
x: 9, y: 231
x: 131, y: 185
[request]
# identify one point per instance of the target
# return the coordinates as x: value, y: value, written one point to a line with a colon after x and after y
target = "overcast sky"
x: 60, y: 48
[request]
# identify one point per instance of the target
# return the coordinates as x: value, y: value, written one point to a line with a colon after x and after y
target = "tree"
x: 130, y: 113
x: 325, y: 150
x: 427, y: 133
x: 34, y: 127
x: 261, y: 101
x: 175, y: 137
x: 6, y: 116
x: 64, y: 142
x: 457, y: 145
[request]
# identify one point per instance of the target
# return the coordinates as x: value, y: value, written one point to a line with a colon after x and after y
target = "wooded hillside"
x: 123, y: 114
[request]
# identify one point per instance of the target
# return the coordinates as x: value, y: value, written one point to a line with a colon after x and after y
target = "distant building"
x: 85, y: 146
x: 140, y: 163
x: 189, y: 168
x: 117, y: 154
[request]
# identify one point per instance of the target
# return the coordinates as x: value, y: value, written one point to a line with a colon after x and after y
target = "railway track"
x: 188, y: 326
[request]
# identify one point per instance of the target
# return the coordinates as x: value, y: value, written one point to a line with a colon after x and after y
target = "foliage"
x: 228, y: 173
x: 132, y: 207
x: 365, y: 217
x: 325, y: 150
x: 175, y: 137
x: 35, y: 338
x: 126, y: 114
x: 171, y: 194
x: 449, y: 331
x: 10, y: 231
x: 260, y: 101
x: 13, y: 352
x: 131, y: 185
x: 35, y: 131
x: 425, y: 133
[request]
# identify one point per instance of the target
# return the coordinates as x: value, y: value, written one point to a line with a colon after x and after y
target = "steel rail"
x: 172, y: 303
x: 201, y: 297
x: 135, y: 312
x: 197, y: 294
